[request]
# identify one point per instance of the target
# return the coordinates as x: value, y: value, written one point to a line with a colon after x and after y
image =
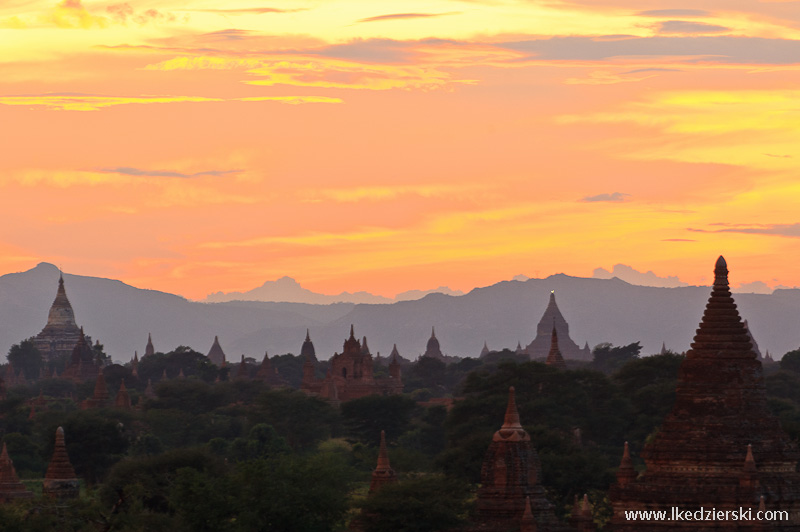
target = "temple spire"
x: 60, y: 480
x: 626, y: 473
x: 383, y: 473
x: 527, y: 523
x: 511, y: 419
x: 554, y: 357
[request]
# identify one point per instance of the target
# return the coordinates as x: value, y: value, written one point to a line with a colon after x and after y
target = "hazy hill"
x: 598, y: 310
x: 288, y: 290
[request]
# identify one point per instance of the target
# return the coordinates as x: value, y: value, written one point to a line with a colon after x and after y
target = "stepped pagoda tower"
x: 432, y: 349
x: 10, y: 486
x: 485, y: 351
x: 149, y: 349
x: 554, y: 357
x: 216, y: 355
x: 720, y: 446
x: 269, y: 374
x: 61, y: 333
x: 540, y: 346
x: 81, y: 365
x: 383, y: 473
x: 60, y: 480
x: 510, y: 481
x: 123, y: 398
x: 101, y: 397
x: 307, y: 350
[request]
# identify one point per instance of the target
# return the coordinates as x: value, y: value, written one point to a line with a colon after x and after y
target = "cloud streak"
x: 87, y: 102
x: 785, y: 230
x: 403, y: 16
x: 614, y: 197
x: 685, y: 26
x: 125, y: 170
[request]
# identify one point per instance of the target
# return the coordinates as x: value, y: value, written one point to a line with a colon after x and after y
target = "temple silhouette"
x: 720, y: 447
x: 552, y: 318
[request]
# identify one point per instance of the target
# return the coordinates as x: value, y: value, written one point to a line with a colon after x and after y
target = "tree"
x: 366, y: 417
x: 94, y: 442
x: 284, y: 492
x: 421, y: 503
x: 24, y: 356
x: 791, y: 361
x: 609, y: 358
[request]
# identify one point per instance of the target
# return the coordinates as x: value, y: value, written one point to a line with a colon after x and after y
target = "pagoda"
x: 61, y: 333
x: 350, y: 375
x: 432, y: 349
x: 100, y: 398
x: 10, y: 486
x: 510, y: 496
x: 81, y: 365
x: 60, y: 480
x: 123, y: 398
x: 720, y: 447
x: 307, y: 351
x: 149, y: 350
x: 554, y: 357
x: 383, y: 473
x: 216, y: 355
x: 269, y: 374
x: 552, y: 318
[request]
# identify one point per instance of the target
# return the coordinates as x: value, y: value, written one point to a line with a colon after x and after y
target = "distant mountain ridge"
x: 597, y: 310
x: 287, y: 290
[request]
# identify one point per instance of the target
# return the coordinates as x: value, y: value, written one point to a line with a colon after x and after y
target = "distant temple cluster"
x: 350, y: 375
x: 720, y: 447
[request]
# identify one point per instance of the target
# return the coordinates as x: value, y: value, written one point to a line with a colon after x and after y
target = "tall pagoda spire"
x: 383, y: 473
x: 216, y: 355
x: 10, y: 486
x: 509, y: 478
x: 307, y: 351
x: 61, y: 315
x: 554, y: 357
x: 695, y: 459
x: 149, y: 349
x: 552, y: 317
x: 60, y: 480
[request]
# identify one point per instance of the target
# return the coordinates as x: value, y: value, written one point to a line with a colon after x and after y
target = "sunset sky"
x: 193, y: 146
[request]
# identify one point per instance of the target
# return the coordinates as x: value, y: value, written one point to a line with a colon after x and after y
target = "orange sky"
x: 197, y: 145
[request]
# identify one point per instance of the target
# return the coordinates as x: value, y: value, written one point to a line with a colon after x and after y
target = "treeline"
x: 235, y: 455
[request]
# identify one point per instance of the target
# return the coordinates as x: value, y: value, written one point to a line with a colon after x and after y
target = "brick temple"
x: 511, y: 496
x: 552, y: 318
x: 61, y: 332
x: 720, y: 446
x: 350, y: 375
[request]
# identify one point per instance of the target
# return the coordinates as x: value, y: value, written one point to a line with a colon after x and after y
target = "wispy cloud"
x: 616, y: 197
x: 163, y: 173
x: 654, y: 69
x: 674, y: 13
x: 786, y: 230
x: 293, y: 100
x: 308, y: 239
x: 246, y: 11
x: 685, y: 26
x: 388, y: 192
x: 396, y: 16
x: 723, y: 49
x: 88, y: 102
